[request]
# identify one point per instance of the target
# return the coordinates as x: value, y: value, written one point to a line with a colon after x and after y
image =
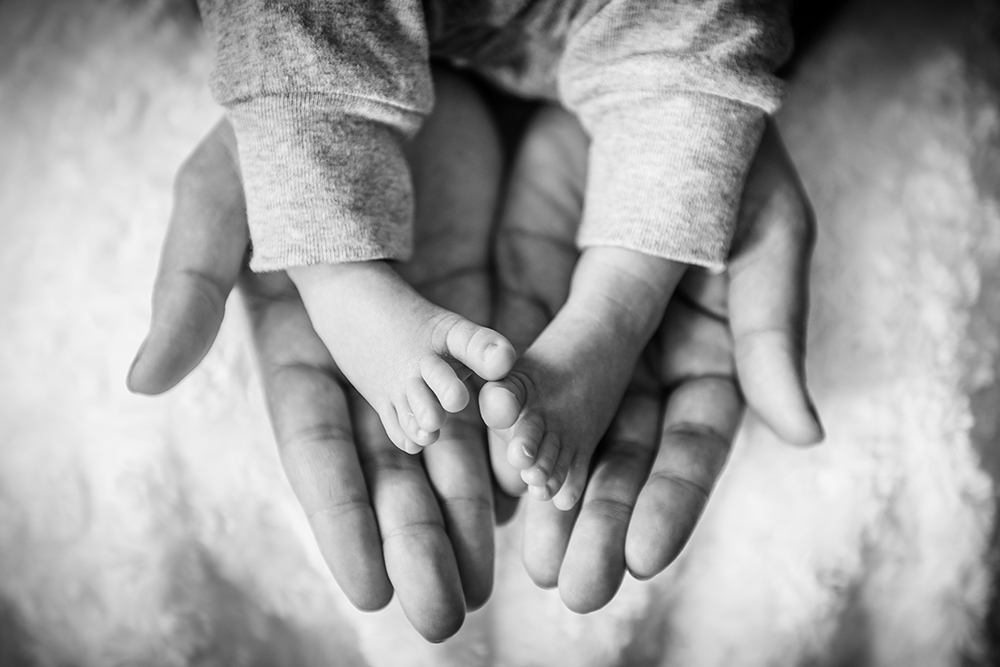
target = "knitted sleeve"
x: 321, y: 96
x: 674, y: 96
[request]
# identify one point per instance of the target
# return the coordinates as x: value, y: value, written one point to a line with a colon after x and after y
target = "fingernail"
x: 422, y: 434
x: 135, y: 361
x: 528, y: 451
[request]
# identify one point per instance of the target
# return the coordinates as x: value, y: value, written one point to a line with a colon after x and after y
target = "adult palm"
x: 659, y: 461
x: 422, y: 526
x: 384, y: 521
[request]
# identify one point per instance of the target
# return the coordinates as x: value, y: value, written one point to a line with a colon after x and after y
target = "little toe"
x: 411, y: 428
x: 426, y: 407
x: 411, y: 447
x: 561, y: 472
x: 508, y: 478
x: 390, y: 422
x: 483, y: 351
x: 569, y: 495
x: 500, y: 403
x: 540, y: 474
x: 441, y: 379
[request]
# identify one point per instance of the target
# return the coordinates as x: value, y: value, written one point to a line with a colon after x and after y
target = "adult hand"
x: 383, y: 520
x: 656, y: 468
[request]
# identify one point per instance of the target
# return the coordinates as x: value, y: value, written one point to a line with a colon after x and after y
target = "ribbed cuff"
x: 665, y: 177
x: 325, y: 181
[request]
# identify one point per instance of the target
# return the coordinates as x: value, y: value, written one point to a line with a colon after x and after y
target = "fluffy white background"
x: 160, y: 532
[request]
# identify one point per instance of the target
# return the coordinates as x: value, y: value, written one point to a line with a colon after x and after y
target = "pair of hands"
x: 422, y: 526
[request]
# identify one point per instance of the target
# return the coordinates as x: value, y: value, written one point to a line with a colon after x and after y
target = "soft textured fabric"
x: 162, y: 533
x: 323, y: 93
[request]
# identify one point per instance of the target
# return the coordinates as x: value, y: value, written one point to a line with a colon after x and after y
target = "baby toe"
x: 427, y: 409
x: 451, y: 393
x: 540, y: 474
x: 411, y: 447
x: 539, y: 493
x: 497, y: 356
x: 500, y: 403
x: 411, y: 428
x: 390, y: 422
x: 569, y: 495
x: 535, y: 477
x: 482, y: 350
x: 526, y: 438
x: 508, y: 478
x: 560, y: 474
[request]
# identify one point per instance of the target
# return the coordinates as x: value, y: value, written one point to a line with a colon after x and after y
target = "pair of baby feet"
x: 409, y: 359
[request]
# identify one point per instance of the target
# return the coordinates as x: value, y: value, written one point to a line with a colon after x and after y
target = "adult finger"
x: 504, y: 505
x: 201, y: 259
x: 546, y: 536
x: 459, y: 471
x: 457, y: 166
x: 594, y: 565
x: 701, y: 419
x: 692, y: 360
x: 419, y: 557
x: 311, y: 418
x: 769, y: 294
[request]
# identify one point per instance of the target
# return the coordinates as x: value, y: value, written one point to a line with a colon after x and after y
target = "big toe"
x: 499, y: 404
x: 497, y: 357
x: 482, y: 350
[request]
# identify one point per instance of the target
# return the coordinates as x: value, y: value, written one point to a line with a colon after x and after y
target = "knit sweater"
x: 323, y: 93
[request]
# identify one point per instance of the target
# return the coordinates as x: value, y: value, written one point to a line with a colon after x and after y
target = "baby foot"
x: 559, y: 399
x: 407, y: 357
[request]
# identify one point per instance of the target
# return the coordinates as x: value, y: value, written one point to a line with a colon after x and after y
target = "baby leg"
x: 407, y: 357
x: 557, y: 402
